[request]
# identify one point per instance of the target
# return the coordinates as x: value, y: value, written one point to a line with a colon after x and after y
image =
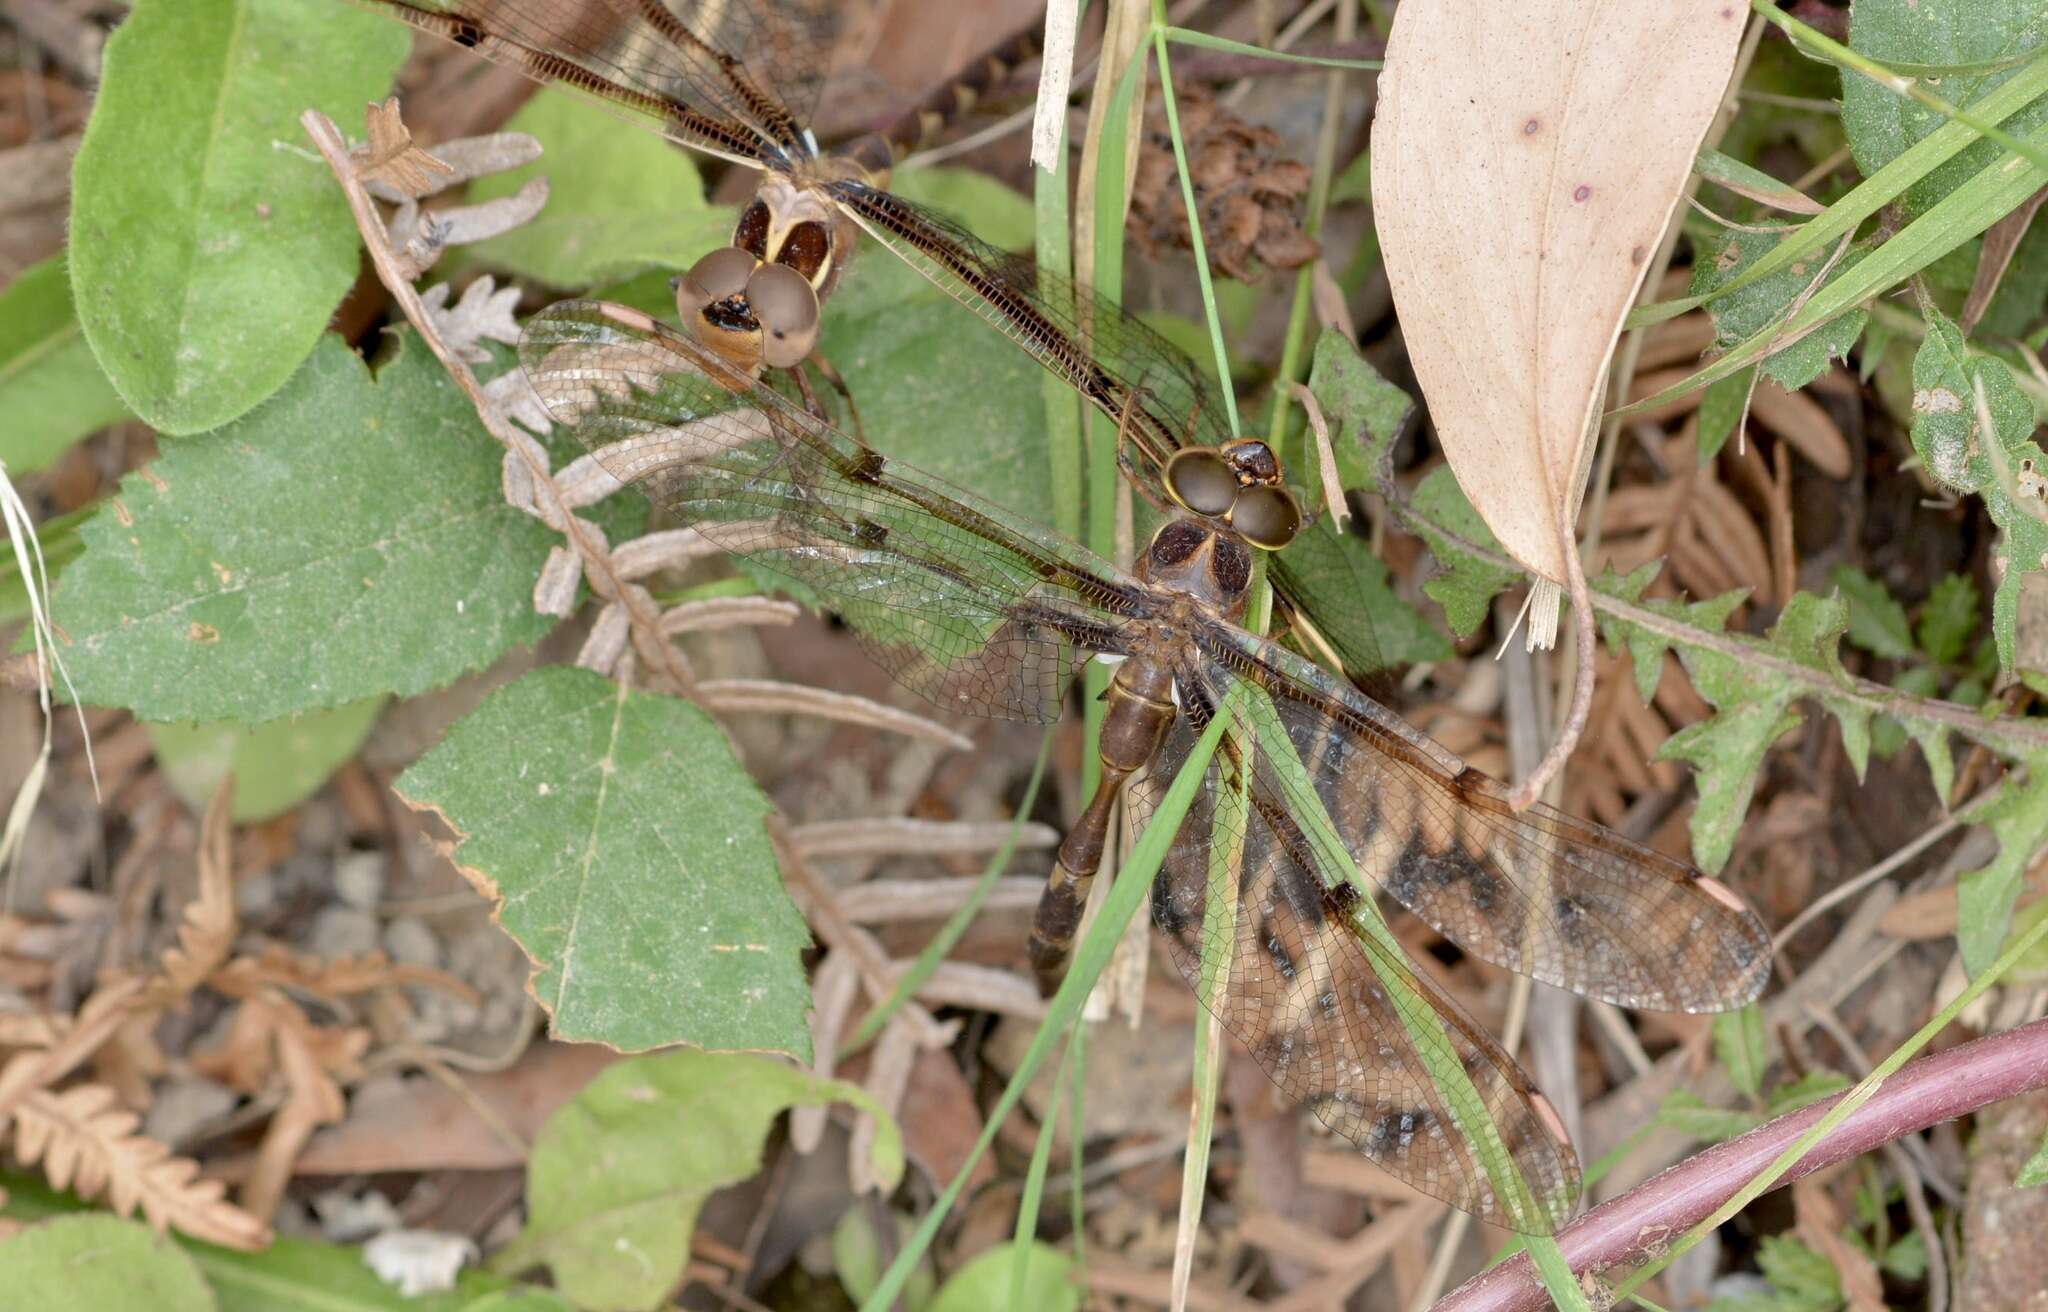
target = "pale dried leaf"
x: 607, y: 640
x: 671, y: 548
x: 1526, y: 159
x: 727, y: 695
x: 1804, y: 422
x: 207, y: 932
x: 715, y: 613
x: 461, y: 225
x: 554, y: 592
x: 888, y: 1076
x: 305, y: 1057
x: 833, y: 989
x: 87, y: 1144
x: 482, y: 314
x: 469, y: 158
x: 390, y: 162
x: 512, y: 392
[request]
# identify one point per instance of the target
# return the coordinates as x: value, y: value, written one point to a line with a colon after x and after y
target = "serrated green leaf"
x: 1882, y: 124
x: 1646, y: 649
x: 1877, y: 622
x: 2018, y: 819
x: 1350, y: 595
x: 2033, y: 1172
x: 1739, y: 1044
x: 1887, y: 735
x: 618, y: 1176
x: 1726, y: 752
x: 1689, y: 1114
x: 210, y: 244
x: 1366, y: 413
x: 619, y: 201
x: 1949, y: 619
x: 351, y: 538
x: 1808, y: 1089
x: 277, y: 765
x: 1947, y: 437
x: 628, y: 850
x: 1805, y: 1281
x: 984, y: 1284
x: 1906, y: 1259
x: 51, y: 388
x: 1465, y: 585
x: 1721, y: 407
x: 103, y: 1263
x: 1756, y: 307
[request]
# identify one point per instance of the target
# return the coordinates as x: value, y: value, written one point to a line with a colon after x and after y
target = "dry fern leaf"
x: 207, y: 932
x: 86, y: 1143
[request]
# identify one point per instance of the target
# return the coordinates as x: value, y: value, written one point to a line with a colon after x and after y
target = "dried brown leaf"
x: 86, y: 1143
x: 207, y: 932
x: 390, y: 161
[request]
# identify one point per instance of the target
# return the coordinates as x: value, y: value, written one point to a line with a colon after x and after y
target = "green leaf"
x: 857, y: 1259
x: 1907, y: 1259
x: 992, y: 210
x: 1877, y: 623
x: 1739, y: 1043
x: 351, y: 538
x: 1948, y: 438
x: 1882, y: 124
x: 1949, y: 619
x: 103, y: 1263
x: 2018, y: 819
x: 2034, y: 1171
x: 1753, y: 705
x: 1721, y: 408
x: 619, y: 200
x: 1689, y: 1114
x: 51, y: 388
x: 628, y: 851
x: 2022, y: 292
x: 618, y: 1176
x: 210, y: 243
x: 1887, y: 735
x: 1760, y: 305
x: 1366, y: 413
x: 983, y: 1285
x: 277, y: 765
x: 1752, y: 183
x: 1466, y: 584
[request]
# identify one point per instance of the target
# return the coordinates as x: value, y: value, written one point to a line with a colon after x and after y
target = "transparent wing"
x: 1313, y: 997
x: 1126, y: 370
x: 1537, y: 891
x: 972, y: 607
x: 737, y: 78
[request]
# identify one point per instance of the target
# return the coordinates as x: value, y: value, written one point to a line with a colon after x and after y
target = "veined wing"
x: 1333, y: 1013
x: 737, y: 80
x: 1092, y: 344
x: 972, y: 606
x: 1111, y: 358
x: 1537, y: 891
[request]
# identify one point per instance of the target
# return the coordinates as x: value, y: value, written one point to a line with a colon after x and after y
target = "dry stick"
x: 597, y: 562
x: 1640, y: 1222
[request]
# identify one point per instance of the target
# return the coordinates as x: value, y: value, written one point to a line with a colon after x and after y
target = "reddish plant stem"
x: 1633, y: 1227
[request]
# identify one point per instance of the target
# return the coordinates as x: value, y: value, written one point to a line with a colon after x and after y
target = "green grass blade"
x: 1190, y: 37
x: 1872, y: 194
x: 1132, y: 885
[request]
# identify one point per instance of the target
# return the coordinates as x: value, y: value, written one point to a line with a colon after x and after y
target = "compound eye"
x: 751, y: 233
x: 720, y: 274
x: 805, y: 249
x: 1267, y: 517
x: 1252, y: 460
x: 786, y: 307
x: 1199, y: 479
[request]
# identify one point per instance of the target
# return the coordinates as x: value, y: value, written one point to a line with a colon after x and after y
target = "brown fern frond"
x: 208, y: 932
x: 87, y: 1143
x: 103, y: 1013
x: 344, y: 977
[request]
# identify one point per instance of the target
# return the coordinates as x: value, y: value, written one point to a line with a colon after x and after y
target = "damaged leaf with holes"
x: 1764, y: 304
x: 2003, y: 466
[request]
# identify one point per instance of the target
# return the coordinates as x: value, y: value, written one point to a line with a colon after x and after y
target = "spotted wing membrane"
x: 736, y: 80
x: 978, y: 610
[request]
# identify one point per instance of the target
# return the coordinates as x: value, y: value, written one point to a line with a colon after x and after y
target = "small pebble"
x: 342, y: 932
x: 409, y: 941
x: 182, y: 1104
x: 359, y: 879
